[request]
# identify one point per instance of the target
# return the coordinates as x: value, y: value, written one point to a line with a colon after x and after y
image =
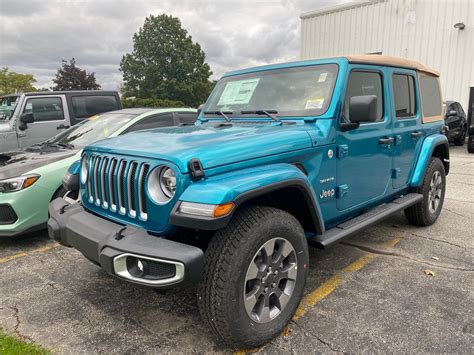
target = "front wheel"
x: 433, y: 188
x: 255, y: 272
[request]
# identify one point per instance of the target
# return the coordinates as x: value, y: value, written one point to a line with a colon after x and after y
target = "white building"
x: 437, y: 33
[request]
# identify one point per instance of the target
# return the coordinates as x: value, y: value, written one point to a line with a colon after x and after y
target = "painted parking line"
x: 329, y: 286
x: 31, y: 252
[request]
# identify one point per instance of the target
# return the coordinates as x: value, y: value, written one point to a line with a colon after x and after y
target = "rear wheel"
x: 433, y: 189
x: 255, y: 273
x: 470, y: 144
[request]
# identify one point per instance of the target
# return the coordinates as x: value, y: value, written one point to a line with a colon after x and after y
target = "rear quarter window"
x: 431, y: 102
x: 85, y: 106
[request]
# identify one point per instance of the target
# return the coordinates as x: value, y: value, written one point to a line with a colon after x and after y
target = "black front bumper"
x: 104, y: 242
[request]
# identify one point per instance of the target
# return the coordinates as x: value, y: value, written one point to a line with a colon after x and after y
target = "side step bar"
x: 363, y: 221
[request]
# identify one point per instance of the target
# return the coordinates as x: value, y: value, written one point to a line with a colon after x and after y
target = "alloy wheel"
x: 435, y: 192
x: 270, y: 280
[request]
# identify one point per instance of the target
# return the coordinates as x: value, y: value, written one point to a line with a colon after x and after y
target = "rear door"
x: 50, y: 119
x: 407, y: 128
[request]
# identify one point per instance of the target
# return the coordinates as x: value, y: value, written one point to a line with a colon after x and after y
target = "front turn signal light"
x: 206, y: 210
x: 223, y: 210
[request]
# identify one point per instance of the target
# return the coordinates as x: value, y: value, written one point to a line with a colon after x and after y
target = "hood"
x: 17, y: 163
x: 213, y: 145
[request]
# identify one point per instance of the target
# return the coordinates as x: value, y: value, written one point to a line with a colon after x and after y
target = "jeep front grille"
x: 118, y: 185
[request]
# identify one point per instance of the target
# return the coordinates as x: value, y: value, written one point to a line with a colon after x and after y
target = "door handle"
x: 61, y: 126
x: 416, y: 134
x: 385, y: 141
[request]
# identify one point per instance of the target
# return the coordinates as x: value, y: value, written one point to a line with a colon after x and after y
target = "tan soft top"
x: 390, y: 61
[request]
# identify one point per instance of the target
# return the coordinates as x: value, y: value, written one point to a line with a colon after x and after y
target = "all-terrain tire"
x: 423, y: 213
x: 225, y: 285
x: 470, y: 145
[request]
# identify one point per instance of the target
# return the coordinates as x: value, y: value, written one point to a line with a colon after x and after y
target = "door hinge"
x: 395, y: 173
x: 342, y: 191
x: 342, y: 151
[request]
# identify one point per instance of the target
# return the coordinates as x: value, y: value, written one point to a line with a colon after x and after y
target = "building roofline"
x: 337, y: 8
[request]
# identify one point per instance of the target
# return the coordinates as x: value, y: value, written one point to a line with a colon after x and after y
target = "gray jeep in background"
x: 31, y: 118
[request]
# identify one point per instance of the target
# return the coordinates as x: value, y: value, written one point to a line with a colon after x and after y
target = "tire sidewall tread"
x: 233, y: 247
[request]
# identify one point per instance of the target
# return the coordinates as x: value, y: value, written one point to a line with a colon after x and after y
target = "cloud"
x: 35, y: 35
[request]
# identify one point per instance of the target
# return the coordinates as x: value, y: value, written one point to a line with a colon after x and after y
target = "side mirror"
x: 26, y: 118
x: 201, y: 106
x: 452, y: 113
x: 363, y: 109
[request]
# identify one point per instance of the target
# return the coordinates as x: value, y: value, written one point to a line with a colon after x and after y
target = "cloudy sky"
x: 36, y: 34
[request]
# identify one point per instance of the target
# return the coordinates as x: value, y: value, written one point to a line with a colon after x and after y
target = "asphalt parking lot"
x: 392, y: 288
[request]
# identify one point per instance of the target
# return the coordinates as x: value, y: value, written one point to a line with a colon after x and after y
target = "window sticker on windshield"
x: 313, y: 104
x: 238, y: 92
x: 322, y: 77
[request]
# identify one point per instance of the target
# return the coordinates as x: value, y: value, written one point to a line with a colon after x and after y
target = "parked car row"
x: 32, y: 177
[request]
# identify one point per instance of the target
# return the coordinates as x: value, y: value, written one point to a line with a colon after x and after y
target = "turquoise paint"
x: 429, y: 145
x: 246, y: 156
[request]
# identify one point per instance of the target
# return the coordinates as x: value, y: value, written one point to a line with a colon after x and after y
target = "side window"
x: 364, y: 83
x: 187, y: 117
x: 404, y: 95
x: 85, y: 106
x: 45, y: 108
x: 430, y: 96
x: 157, y: 121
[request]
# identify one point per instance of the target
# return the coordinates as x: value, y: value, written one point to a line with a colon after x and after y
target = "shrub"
x: 158, y: 103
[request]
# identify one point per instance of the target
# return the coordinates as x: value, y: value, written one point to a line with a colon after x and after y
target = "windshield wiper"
x: 60, y: 145
x: 220, y: 113
x: 268, y: 113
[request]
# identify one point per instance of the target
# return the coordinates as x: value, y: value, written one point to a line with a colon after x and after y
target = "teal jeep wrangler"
x: 281, y: 157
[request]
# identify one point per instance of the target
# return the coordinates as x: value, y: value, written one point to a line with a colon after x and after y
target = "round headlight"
x: 168, y: 182
x: 161, y: 184
x: 84, y: 170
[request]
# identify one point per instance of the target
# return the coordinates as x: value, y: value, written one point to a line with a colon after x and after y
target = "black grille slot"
x: 131, y: 185
x: 141, y: 182
x: 112, y: 172
x: 121, y: 184
x: 7, y: 214
x: 103, y: 182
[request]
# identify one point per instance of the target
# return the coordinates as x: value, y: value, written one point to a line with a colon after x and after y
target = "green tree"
x: 71, y: 77
x: 165, y: 63
x: 11, y: 82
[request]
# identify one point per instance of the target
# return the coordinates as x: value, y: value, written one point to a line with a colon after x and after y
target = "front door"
x: 364, y: 154
x: 407, y: 128
x: 50, y: 117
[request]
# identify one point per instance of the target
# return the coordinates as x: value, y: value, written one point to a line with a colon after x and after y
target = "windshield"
x: 93, y: 129
x: 302, y: 91
x: 7, y: 107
